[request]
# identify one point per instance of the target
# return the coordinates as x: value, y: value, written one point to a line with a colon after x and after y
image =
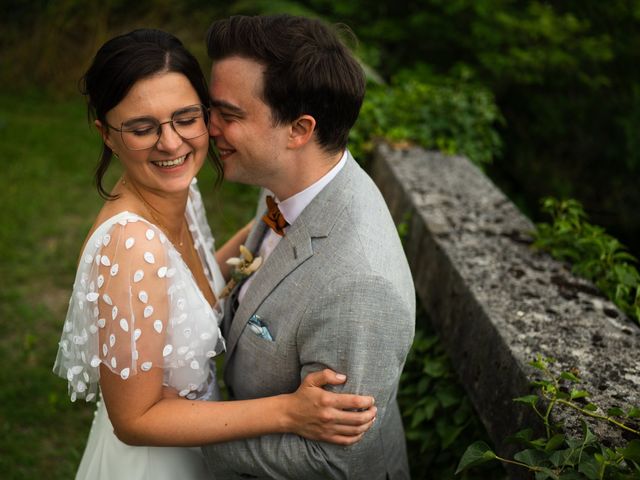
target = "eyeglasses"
x: 144, y: 132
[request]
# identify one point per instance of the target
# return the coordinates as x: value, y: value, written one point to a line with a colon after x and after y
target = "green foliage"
x: 564, y: 76
x: 560, y: 456
x: 594, y: 254
x: 439, y: 419
x: 452, y: 116
x: 48, y: 44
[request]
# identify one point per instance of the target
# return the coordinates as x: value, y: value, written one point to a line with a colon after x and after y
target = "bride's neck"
x: 166, y: 210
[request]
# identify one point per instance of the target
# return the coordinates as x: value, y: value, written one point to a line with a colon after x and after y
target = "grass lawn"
x: 48, y: 205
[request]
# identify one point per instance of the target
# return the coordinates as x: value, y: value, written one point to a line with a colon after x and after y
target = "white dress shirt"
x: 291, y: 208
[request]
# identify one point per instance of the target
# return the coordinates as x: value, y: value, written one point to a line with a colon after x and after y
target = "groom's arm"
x: 359, y: 326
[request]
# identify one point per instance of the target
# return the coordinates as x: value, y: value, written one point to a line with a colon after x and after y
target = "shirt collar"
x: 292, y: 207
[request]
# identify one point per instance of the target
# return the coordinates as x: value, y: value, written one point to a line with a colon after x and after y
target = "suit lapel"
x: 316, y: 221
x: 292, y: 250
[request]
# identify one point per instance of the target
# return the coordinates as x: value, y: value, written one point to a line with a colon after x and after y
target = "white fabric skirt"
x: 107, y: 458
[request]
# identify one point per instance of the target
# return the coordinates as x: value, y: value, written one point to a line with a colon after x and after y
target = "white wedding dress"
x: 136, y: 306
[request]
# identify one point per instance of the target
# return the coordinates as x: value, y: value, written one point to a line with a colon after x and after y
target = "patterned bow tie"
x: 274, y: 218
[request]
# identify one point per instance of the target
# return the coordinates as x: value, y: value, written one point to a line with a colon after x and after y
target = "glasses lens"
x: 140, y: 135
x: 190, y: 122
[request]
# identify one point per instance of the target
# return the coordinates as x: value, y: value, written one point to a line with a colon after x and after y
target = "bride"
x: 142, y: 324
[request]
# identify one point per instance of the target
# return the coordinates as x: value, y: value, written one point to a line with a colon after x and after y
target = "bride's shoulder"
x: 125, y: 234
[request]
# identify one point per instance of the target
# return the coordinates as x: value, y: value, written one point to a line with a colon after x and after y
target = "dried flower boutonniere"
x: 241, y: 267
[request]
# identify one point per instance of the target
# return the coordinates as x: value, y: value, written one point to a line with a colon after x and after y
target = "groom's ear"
x: 301, y: 131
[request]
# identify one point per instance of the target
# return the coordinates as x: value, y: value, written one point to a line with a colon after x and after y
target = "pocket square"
x: 258, y: 327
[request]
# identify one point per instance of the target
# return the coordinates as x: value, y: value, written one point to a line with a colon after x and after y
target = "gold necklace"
x: 150, y: 211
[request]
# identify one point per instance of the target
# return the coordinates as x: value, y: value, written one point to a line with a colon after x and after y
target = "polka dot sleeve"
x: 136, y: 307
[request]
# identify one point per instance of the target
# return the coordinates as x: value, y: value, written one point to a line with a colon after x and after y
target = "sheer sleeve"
x: 135, y: 307
x: 204, y: 240
x: 198, y: 215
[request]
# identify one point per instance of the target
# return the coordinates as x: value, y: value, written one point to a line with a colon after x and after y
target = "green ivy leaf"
x: 564, y: 457
x: 449, y: 396
x: 448, y: 433
x: 541, y: 383
x: 634, y: 413
x: 569, y: 376
x: 540, y: 363
x: 546, y: 473
x: 418, y: 417
x: 522, y: 437
x: 615, y: 412
x: 632, y: 451
x: 527, y: 400
x: 532, y: 457
x: 435, y: 368
x: 589, y: 437
x: 579, y: 394
x: 423, y: 386
x: 430, y: 407
x: 571, y: 475
x: 554, y: 442
x: 476, y: 454
x: 590, y: 467
x: 590, y: 407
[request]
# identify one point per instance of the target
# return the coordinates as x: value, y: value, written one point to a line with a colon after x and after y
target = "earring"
x: 116, y: 155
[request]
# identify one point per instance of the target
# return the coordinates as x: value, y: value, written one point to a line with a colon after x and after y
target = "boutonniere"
x: 241, y: 267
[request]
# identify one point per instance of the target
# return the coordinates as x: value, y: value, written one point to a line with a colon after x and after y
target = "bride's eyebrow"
x: 136, y: 120
x: 149, y: 118
x: 187, y: 109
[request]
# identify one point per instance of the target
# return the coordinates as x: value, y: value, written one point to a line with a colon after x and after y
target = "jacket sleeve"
x: 358, y: 326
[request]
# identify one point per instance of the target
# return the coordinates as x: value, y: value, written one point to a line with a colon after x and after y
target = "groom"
x: 334, y: 289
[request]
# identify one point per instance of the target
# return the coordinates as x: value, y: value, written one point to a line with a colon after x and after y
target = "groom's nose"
x: 214, y: 128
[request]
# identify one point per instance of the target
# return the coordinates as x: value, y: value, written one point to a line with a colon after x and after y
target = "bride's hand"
x: 339, y: 418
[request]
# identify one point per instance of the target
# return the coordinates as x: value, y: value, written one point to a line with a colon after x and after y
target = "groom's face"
x: 251, y: 146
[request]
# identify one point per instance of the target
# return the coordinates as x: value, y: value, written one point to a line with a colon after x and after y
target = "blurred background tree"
x: 564, y: 75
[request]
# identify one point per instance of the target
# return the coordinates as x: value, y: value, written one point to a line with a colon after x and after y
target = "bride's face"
x: 168, y: 165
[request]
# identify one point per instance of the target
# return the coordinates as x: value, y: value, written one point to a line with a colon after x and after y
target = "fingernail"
x: 341, y: 376
x: 373, y: 401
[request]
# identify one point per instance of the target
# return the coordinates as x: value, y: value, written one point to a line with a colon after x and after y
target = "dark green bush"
x: 439, y: 419
x: 435, y: 113
x: 595, y: 254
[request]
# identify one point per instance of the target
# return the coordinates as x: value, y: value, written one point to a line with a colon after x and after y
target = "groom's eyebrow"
x: 227, y: 106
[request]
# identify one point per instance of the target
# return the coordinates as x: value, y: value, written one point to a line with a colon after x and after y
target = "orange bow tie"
x: 274, y: 218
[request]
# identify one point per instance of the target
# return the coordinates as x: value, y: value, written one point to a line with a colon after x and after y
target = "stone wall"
x: 495, y: 301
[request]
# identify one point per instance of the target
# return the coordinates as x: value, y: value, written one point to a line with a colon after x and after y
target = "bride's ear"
x: 301, y: 131
x: 104, y: 133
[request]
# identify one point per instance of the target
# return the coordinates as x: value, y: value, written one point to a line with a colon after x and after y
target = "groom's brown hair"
x: 308, y: 70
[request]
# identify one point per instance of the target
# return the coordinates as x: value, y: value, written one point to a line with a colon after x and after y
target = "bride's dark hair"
x: 124, y: 60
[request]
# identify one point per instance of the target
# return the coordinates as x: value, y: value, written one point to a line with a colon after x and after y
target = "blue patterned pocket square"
x: 258, y: 327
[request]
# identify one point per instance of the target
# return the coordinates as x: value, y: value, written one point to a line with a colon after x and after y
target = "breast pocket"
x: 261, y: 367
x: 257, y: 339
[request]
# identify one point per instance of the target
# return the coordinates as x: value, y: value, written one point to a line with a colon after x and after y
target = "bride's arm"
x: 141, y: 335
x: 231, y: 249
x: 142, y: 414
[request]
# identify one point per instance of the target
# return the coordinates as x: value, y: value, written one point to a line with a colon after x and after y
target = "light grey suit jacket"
x: 336, y: 292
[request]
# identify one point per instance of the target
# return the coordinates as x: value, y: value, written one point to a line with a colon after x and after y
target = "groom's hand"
x: 338, y: 418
